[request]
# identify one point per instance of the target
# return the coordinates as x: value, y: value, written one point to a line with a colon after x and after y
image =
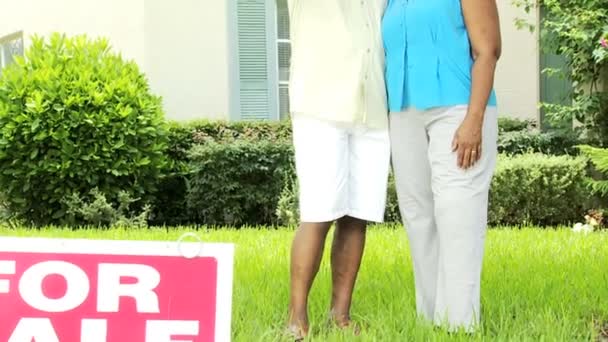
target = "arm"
x: 483, y: 26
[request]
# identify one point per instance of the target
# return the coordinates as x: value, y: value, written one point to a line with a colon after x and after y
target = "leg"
x: 413, y: 179
x: 306, y: 254
x: 346, y: 254
x: 321, y: 152
x: 461, y: 204
x: 368, y: 163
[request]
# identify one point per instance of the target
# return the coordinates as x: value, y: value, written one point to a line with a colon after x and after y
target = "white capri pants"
x: 342, y: 170
x: 444, y: 209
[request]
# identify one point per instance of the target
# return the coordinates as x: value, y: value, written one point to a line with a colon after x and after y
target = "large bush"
x: 74, y: 116
x: 538, y: 189
x: 237, y: 183
x: 171, y: 201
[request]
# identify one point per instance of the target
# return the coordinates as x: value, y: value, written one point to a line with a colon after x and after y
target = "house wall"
x: 517, y: 76
x: 188, y: 50
x: 182, y: 49
x: 187, y: 57
x: 121, y: 21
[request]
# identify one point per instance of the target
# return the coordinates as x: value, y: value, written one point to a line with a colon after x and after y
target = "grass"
x: 538, y: 285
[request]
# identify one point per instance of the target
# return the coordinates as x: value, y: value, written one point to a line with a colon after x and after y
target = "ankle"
x: 340, y: 317
x: 298, y: 327
x: 298, y: 317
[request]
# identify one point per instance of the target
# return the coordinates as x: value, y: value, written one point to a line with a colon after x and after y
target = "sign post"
x: 54, y: 290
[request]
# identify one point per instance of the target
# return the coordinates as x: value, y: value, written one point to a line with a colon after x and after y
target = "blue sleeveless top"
x: 428, y: 55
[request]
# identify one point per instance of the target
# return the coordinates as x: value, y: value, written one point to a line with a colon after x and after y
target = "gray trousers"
x: 444, y: 209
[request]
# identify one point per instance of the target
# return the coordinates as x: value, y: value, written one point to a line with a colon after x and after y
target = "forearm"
x: 482, y: 76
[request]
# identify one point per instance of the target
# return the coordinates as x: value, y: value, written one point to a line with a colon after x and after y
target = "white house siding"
x: 188, y: 48
x: 122, y: 21
x: 187, y: 56
x: 182, y: 46
x: 518, y: 74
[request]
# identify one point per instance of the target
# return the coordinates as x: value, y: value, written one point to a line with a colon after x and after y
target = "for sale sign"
x: 114, y: 291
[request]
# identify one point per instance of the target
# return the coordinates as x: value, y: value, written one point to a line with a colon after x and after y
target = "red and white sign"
x: 114, y: 291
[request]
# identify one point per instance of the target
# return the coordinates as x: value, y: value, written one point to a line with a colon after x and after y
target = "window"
x: 264, y: 54
x: 284, y: 56
x: 10, y: 47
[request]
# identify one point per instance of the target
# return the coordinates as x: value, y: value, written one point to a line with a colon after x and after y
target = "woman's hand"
x: 467, y: 142
x: 481, y: 19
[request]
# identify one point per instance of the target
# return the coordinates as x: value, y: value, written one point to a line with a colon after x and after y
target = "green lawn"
x: 537, y: 285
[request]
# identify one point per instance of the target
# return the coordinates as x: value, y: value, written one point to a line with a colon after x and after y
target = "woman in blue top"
x: 441, y: 57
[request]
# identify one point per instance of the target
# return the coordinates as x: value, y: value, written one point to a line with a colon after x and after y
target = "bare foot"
x: 297, y: 326
x: 296, y: 332
x: 344, y: 322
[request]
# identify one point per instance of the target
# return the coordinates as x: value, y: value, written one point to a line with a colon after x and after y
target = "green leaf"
x: 144, y: 161
x: 40, y: 136
x: 35, y: 124
x: 58, y: 214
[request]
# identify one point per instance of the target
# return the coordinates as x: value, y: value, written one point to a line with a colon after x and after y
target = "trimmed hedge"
x: 508, y: 124
x: 171, y: 207
x: 526, y: 189
x: 538, y: 189
x: 218, y: 182
x: 557, y: 142
x: 238, y: 183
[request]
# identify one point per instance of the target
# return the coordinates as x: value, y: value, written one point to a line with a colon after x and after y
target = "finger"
x: 460, y: 156
x: 454, y: 144
x: 474, y: 157
x: 479, y: 152
x: 467, y: 158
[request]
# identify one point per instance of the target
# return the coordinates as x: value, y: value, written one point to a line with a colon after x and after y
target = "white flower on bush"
x: 582, y: 228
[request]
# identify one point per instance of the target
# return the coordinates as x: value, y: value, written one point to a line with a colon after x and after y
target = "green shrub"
x: 238, y: 183
x: 98, y: 212
x: 508, y: 124
x: 222, y: 131
x: 538, y: 189
x: 392, y: 213
x: 599, y: 158
x: 558, y: 142
x: 516, y: 138
x: 527, y: 189
x: 171, y: 200
x: 169, y: 206
x: 572, y: 30
x: 74, y: 116
x: 288, y: 206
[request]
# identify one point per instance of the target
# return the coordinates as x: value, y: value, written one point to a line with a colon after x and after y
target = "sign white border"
x: 223, y: 252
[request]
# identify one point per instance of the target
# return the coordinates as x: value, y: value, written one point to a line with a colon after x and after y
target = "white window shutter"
x: 256, y: 56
